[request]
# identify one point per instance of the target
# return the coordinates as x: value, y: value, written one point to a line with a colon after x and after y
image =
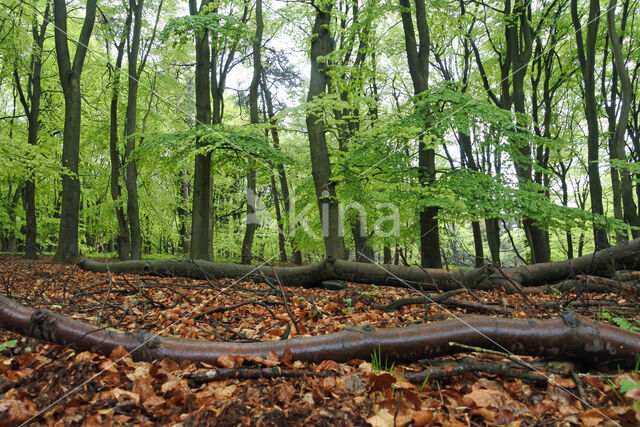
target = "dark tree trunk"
x: 201, y: 211
x: 586, y: 58
x: 282, y: 175
x: 252, y: 224
x: 183, y: 214
x: 31, y: 106
x: 281, y: 238
x: 477, y: 243
x: 493, y: 239
x: 115, y: 187
x: 131, y: 181
x: 69, y: 73
x: 321, y: 46
x: 386, y: 255
x: 629, y: 206
x: 520, y: 43
x: 254, y: 114
x: 418, y: 60
x: 611, y: 109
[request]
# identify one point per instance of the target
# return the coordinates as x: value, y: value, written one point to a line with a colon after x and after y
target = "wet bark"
x: 131, y: 169
x: 418, y: 61
x: 626, y: 189
x: 115, y: 187
x: 201, y: 211
x: 31, y: 105
x: 570, y: 336
x: 586, y: 58
x: 69, y: 74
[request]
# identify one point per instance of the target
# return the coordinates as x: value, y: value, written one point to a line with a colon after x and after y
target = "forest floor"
x: 42, y: 383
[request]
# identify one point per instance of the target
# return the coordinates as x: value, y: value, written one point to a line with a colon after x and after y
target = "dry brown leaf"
x: 14, y: 412
x: 421, y: 418
x: 230, y: 361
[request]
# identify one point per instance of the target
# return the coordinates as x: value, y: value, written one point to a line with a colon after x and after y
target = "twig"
x: 487, y: 351
x: 250, y: 373
x: 472, y: 365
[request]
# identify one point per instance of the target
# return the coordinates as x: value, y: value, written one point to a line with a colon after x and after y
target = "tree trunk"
x: 252, y: 224
x: 418, y: 61
x: 296, y: 255
x: 67, y: 251
x: 201, y: 211
x: 321, y: 46
x: 477, y: 243
x: 183, y: 214
x: 386, y: 255
x: 254, y: 114
x: 572, y: 335
x: 32, y: 110
x: 629, y: 207
x: 281, y: 238
x: 131, y: 181
x: 586, y: 58
x: 115, y: 187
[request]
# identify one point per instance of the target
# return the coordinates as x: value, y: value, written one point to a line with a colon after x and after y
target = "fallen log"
x: 570, y: 336
x: 304, y: 276
x: 603, y: 263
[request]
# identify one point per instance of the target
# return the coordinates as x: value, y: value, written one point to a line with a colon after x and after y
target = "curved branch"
x: 569, y: 337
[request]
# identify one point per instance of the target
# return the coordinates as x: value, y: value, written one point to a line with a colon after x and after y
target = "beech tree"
x: 395, y: 115
x: 70, y: 80
x: 31, y: 105
x: 321, y: 46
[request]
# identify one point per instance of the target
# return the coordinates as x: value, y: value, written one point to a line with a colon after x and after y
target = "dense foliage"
x: 495, y: 163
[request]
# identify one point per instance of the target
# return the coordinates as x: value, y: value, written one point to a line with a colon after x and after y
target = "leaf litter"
x: 47, y: 384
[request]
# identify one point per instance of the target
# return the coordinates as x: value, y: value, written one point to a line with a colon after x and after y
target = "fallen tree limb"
x: 304, y: 276
x: 469, y: 364
x: 603, y: 263
x: 569, y: 337
x: 252, y: 373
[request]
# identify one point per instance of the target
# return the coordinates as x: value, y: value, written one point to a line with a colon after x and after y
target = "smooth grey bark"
x: 252, y: 224
x: 321, y: 46
x: 586, y: 58
x: 418, y: 62
x: 69, y: 73
x: 201, y: 211
x: 31, y: 105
